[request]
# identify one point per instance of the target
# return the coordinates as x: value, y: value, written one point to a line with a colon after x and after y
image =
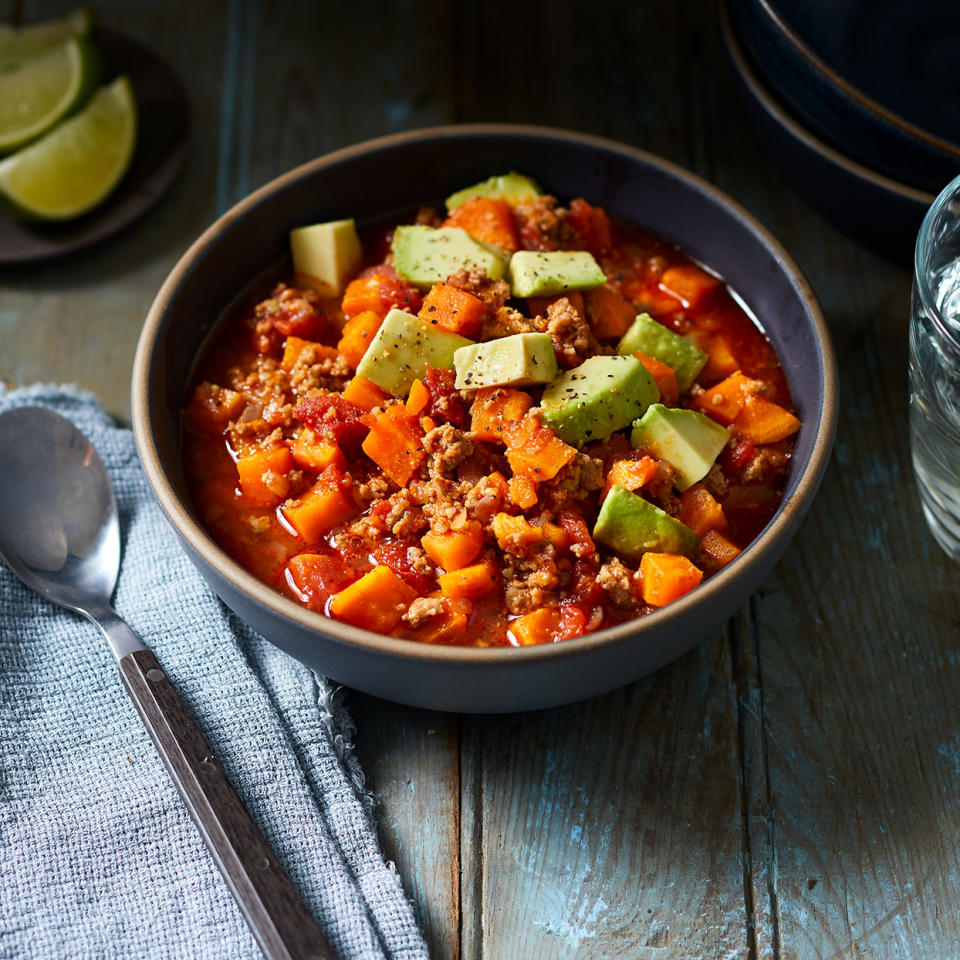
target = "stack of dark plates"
x: 858, y: 101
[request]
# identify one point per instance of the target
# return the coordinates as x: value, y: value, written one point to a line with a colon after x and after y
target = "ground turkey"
x: 615, y: 578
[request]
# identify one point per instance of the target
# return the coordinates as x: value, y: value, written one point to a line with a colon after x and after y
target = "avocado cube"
x: 401, y: 350
x: 602, y: 395
x: 689, y: 441
x: 517, y: 361
x: 631, y: 525
x: 512, y: 187
x: 428, y: 255
x: 538, y: 274
x: 325, y: 256
x: 645, y: 335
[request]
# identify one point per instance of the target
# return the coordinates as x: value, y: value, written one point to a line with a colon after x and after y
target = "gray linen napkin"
x: 99, y: 857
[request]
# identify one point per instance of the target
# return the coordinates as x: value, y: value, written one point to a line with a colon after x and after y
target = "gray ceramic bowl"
x: 401, y: 171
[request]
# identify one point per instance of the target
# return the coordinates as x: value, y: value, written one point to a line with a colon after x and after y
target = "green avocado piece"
x: 512, y: 187
x: 401, y: 350
x: 326, y: 255
x: 538, y: 274
x: 654, y: 339
x: 517, y: 361
x: 686, y: 439
x: 632, y: 526
x: 428, y: 255
x: 600, y: 396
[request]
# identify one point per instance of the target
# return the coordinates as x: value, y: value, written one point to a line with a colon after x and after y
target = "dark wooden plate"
x: 163, y: 133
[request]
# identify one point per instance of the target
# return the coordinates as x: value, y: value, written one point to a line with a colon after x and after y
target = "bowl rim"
x: 788, y: 514
x: 799, y: 132
x: 852, y: 92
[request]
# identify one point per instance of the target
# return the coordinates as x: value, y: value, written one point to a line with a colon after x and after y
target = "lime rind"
x: 38, y: 93
x: 78, y: 164
x: 19, y: 43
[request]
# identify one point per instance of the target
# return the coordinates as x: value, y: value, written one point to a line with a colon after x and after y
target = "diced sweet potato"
x: 609, y: 313
x: 724, y: 400
x: 487, y: 219
x: 456, y: 548
x: 523, y: 491
x: 665, y: 577
x: 548, y: 625
x: 313, y: 452
x: 763, y: 421
x: 418, y: 399
x: 263, y: 476
x: 473, y: 582
x: 324, y: 506
x: 700, y: 511
x: 536, y: 451
x: 689, y: 284
x: 663, y: 376
x: 211, y: 408
x: 494, y: 409
x: 365, y: 394
x: 375, y: 602
x: 395, y: 443
x: 294, y: 348
x: 453, y: 309
x: 357, y: 334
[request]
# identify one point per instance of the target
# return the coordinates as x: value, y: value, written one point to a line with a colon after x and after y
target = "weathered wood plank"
x: 411, y: 758
x: 612, y: 828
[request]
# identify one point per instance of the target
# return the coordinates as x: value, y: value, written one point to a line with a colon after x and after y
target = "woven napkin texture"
x: 99, y: 857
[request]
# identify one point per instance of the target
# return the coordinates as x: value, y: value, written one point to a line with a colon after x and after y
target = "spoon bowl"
x: 58, y: 531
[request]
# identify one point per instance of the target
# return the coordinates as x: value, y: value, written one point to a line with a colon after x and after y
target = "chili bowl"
x: 399, y: 172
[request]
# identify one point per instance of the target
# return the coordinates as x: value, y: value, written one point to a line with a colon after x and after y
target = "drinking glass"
x: 935, y: 368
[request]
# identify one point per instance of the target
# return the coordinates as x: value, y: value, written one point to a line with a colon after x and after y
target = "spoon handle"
x: 271, y: 905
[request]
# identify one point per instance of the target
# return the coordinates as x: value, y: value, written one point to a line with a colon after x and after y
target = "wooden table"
x: 787, y: 790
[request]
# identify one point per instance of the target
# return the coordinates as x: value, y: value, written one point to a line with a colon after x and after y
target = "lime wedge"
x: 19, y: 44
x: 75, y: 166
x: 37, y: 93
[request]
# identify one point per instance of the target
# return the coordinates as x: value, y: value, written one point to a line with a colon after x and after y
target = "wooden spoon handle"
x: 271, y: 905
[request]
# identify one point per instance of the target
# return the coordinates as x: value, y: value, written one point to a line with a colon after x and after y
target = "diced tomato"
x: 576, y: 528
x: 592, y: 225
x: 585, y: 591
x: 736, y: 457
x: 444, y: 403
x: 315, y: 577
x: 334, y: 418
x: 395, y: 555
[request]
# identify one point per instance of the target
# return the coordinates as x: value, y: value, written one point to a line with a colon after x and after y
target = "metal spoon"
x: 59, y: 534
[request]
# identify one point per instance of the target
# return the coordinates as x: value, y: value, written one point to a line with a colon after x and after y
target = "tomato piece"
x: 585, y: 591
x: 315, y: 577
x: 444, y: 404
x: 592, y: 225
x: 334, y: 418
x: 736, y: 457
x: 395, y: 555
x: 577, y: 530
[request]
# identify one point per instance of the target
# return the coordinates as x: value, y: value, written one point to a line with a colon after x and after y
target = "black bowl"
x: 875, y: 210
x: 877, y: 79
x: 399, y: 172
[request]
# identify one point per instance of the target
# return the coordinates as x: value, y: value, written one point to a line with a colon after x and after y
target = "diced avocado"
x: 600, y: 396
x: 687, y: 440
x: 632, y: 526
x: 512, y: 187
x: 647, y: 336
x: 536, y: 274
x: 401, y: 350
x: 517, y: 361
x: 326, y: 255
x: 428, y: 255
